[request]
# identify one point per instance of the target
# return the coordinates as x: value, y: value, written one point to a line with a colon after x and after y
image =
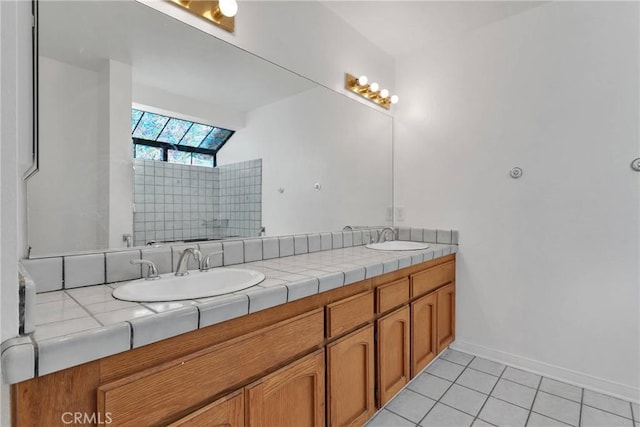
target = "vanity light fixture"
x: 222, y: 13
x: 360, y: 85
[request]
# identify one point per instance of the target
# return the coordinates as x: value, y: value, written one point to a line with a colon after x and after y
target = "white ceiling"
x: 402, y: 27
x: 164, y: 53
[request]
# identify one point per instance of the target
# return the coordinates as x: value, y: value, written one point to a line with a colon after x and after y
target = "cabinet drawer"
x: 428, y: 280
x: 392, y: 295
x: 228, y: 411
x: 345, y: 315
x: 153, y: 396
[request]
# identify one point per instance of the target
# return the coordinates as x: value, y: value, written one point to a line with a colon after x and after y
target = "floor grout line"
x: 530, y: 410
x: 489, y: 395
x: 551, y: 418
x: 533, y: 402
x: 445, y: 392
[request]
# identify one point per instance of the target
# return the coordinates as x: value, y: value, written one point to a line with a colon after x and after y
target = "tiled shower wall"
x: 179, y: 202
x: 240, y: 187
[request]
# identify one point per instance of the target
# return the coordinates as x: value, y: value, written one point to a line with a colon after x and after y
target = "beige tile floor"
x: 461, y: 390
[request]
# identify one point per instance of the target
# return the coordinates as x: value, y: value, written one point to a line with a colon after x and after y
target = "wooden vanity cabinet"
x: 446, y: 323
x: 423, y: 332
x: 351, y: 378
x: 293, y: 396
x: 318, y: 361
x: 393, y: 353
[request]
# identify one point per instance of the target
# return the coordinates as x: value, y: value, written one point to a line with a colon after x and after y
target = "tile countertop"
x: 79, y: 325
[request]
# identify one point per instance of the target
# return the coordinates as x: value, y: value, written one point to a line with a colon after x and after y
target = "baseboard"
x: 579, y: 379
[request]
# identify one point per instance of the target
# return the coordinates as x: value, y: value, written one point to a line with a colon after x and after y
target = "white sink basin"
x: 397, y: 245
x: 196, y: 285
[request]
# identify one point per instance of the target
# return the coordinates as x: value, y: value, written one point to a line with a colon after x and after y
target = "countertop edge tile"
x: 150, y: 329
x: 18, y: 360
x: 56, y: 354
x: 220, y: 310
x: 302, y: 288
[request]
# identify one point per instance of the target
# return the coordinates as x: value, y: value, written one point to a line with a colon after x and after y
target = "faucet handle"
x: 205, y: 265
x: 152, y: 271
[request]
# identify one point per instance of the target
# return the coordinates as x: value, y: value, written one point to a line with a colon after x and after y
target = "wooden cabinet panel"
x: 225, y: 412
x: 349, y: 313
x: 423, y: 332
x: 392, y: 295
x: 351, y: 378
x: 290, y: 397
x: 393, y: 353
x: 184, y: 383
x: 428, y: 280
x: 446, y: 308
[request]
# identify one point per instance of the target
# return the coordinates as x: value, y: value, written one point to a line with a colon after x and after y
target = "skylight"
x: 159, y: 137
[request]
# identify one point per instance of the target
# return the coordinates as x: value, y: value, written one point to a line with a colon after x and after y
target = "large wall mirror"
x: 153, y: 131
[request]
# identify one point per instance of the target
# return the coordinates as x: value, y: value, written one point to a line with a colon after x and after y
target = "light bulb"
x: 394, y: 99
x: 363, y: 80
x: 384, y: 93
x: 374, y: 87
x: 228, y: 8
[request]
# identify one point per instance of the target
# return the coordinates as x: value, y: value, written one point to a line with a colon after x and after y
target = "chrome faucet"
x: 347, y: 227
x: 382, y: 232
x: 205, y: 264
x: 152, y: 271
x: 183, y: 263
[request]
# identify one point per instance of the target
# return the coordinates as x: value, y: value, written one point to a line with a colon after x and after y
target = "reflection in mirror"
x: 153, y: 131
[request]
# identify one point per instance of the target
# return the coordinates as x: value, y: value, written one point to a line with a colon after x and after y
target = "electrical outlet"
x: 390, y: 213
x: 400, y: 214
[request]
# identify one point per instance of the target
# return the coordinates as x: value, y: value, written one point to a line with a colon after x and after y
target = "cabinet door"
x: 290, y: 397
x: 351, y: 378
x: 225, y: 412
x: 446, y: 309
x: 393, y: 353
x: 423, y: 332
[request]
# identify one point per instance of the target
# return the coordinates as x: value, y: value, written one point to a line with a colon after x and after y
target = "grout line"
x: 534, y: 401
x: 582, y: 406
x: 445, y: 392
x: 384, y: 408
x: 131, y: 330
x: 608, y: 412
x: 489, y: 395
x: 554, y: 419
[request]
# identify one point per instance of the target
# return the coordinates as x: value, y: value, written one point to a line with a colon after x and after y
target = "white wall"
x: 302, y: 36
x: 15, y: 142
x: 115, y: 162
x: 63, y: 196
x: 170, y: 104
x: 317, y: 136
x: 548, y: 274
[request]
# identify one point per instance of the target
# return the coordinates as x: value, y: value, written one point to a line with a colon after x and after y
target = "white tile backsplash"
x: 46, y: 273
x: 119, y: 267
x: 300, y: 244
x: 270, y: 248
x: 233, y: 252
x: 337, y: 240
x: 286, y: 246
x: 326, y: 241
x: 84, y: 270
x: 252, y: 250
x: 314, y: 243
